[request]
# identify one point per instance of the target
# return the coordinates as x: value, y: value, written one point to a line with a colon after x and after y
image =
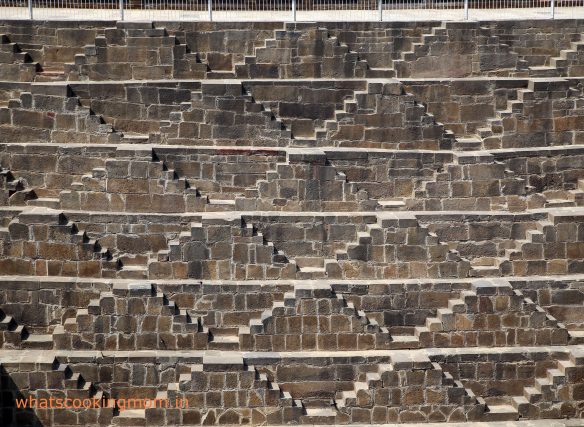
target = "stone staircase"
x: 202, y: 121
x: 319, y: 412
x: 13, y: 191
x: 466, y: 313
x: 149, y: 186
x: 565, y: 198
x: 129, y: 306
x: 500, y: 59
x: 361, y: 119
x: 331, y: 126
x: 489, y: 136
x: 348, y: 398
x: 417, y: 49
x: 173, y: 58
x: 13, y: 335
x: 303, y: 300
x: 60, y: 116
x: 537, y: 400
x: 282, y: 190
x: 568, y: 63
x: 533, y: 246
x: 507, y: 127
x: 54, y: 382
x: 86, y: 252
x: 529, y: 248
x: 15, y: 63
x: 385, y: 375
x: 300, y: 51
x: 251, y: 383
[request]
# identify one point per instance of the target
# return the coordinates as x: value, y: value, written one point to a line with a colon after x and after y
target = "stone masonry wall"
x: 320, y: 223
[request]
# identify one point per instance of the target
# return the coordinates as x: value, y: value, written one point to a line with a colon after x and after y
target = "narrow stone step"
x: 531, y: 394
x: 404, y: 341
x: 224, y: 342
x: 319, y: 416
x: 130, y: 417
x: 391, y: 205
x: 468, y: 143
x: 39, y: 342
x: 484, y: 271
x: 47, y: 202
x: 543, y: 71
x: 133, y: 272
x: 576, y: 337
x: 500, y: 413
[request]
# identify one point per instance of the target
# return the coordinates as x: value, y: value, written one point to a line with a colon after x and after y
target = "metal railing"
x: 289, y: 10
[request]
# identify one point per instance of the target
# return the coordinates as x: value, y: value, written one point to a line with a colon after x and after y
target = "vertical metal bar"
x: 210, y: 7
x: 29, y: 9
x: 293, y: 10
x: 121, y: 10
x: 553, y: 9
x: 380, y: 8
x: 466, y: 10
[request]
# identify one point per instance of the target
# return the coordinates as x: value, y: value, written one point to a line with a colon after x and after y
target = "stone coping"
x: 334, y: 153
x: 266, y: 358
x: 53, y: 282
x: 499, y: 81
x: 567, y: 213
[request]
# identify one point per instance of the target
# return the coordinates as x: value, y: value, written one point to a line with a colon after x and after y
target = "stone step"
x: 220, y: 75
x: 133, y: 272
x: 577, y: 46
x: 48, y: 202
x: 576, y: 337
x: 555, y: 377
x: 220, y: 205
x: 535, y: 236
x: 484, y: 132
x: 130, y: 417
x: 404, y: 341
x: 543, y: 385
x: 224, y: 342
x: 380, y: 73
x: 391, y: 205
x: 520, y: 403
x: 543, y: 225
x: 315, y: 416
x: 561, y: 62
x: 543, y: 71
x: 457, y: 306
x: 500, y: 413
x: 134, y: 138
x: 7, y: 323
x: 433, y: 324
x: 468, y: 143
x: 485, y: 267
x: 531, y: 394
x: 309, y: 273
x: 38, y: 342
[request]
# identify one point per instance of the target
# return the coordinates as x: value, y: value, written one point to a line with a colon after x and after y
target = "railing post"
x: 380, y: 10
x: 466, y: 10
x: 121, y: 10
x: 29, y: 9
x: 553, y: 8
x: 210, y: 7
x: 293, y: 10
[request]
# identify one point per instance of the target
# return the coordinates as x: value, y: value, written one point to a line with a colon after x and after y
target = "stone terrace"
x: 277, y: 223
